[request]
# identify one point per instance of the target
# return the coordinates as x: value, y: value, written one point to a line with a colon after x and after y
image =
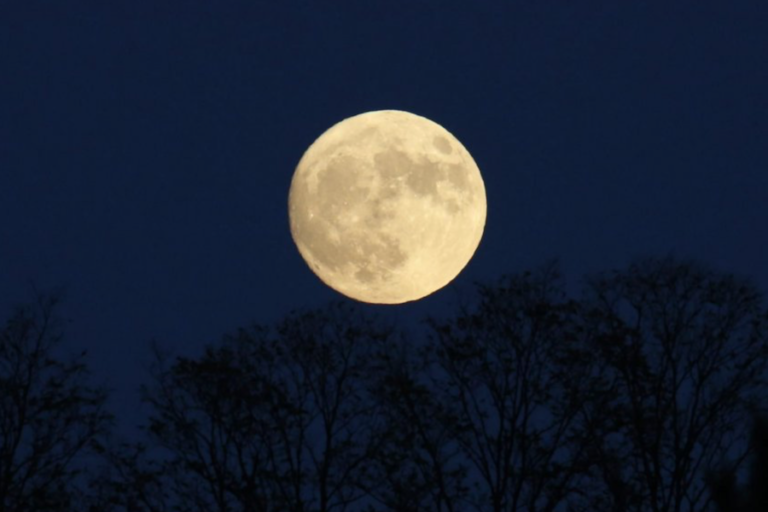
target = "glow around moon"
x: 387, y: 207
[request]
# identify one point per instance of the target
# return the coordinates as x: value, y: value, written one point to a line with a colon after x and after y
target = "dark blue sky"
x: 147, y: 147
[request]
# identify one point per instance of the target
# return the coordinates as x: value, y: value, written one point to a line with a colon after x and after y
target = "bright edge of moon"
x: 387, y: 207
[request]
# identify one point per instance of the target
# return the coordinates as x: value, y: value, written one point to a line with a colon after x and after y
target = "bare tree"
x: 526, y: 400
x: 505, y: 371
x: 418, y: 465
x: 684, y: 352
x: 753, y: 496
x: 271, y: 419
x: 49, y: 414
x: 127, y: 478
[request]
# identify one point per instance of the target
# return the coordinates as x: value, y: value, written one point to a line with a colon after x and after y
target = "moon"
x: 387, y: 207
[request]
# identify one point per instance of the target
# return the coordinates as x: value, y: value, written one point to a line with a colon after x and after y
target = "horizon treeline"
x: 645, y: 393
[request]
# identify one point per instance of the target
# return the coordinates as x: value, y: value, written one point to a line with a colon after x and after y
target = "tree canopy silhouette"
x: 625, y: 398
x: 269, y: 419
x: 49, y: 414
x: 684, y: 352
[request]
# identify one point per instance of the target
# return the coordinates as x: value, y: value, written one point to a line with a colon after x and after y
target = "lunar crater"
x: 442, y: 145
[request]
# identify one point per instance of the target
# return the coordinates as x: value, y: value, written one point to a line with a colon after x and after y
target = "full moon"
x: 387, y: 207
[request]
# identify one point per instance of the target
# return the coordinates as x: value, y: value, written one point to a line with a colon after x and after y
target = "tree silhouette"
x: 524, y: 400
x: 753, y: 497
x: 270, y: 419
x: 514, y: 384
x: 49, y: 415
x: 684, y: 351
x: 418, y: 464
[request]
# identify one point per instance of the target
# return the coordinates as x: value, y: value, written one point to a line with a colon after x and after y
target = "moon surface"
x: 387, y: 207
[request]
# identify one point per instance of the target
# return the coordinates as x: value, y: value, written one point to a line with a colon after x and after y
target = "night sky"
x: 147, y: 147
